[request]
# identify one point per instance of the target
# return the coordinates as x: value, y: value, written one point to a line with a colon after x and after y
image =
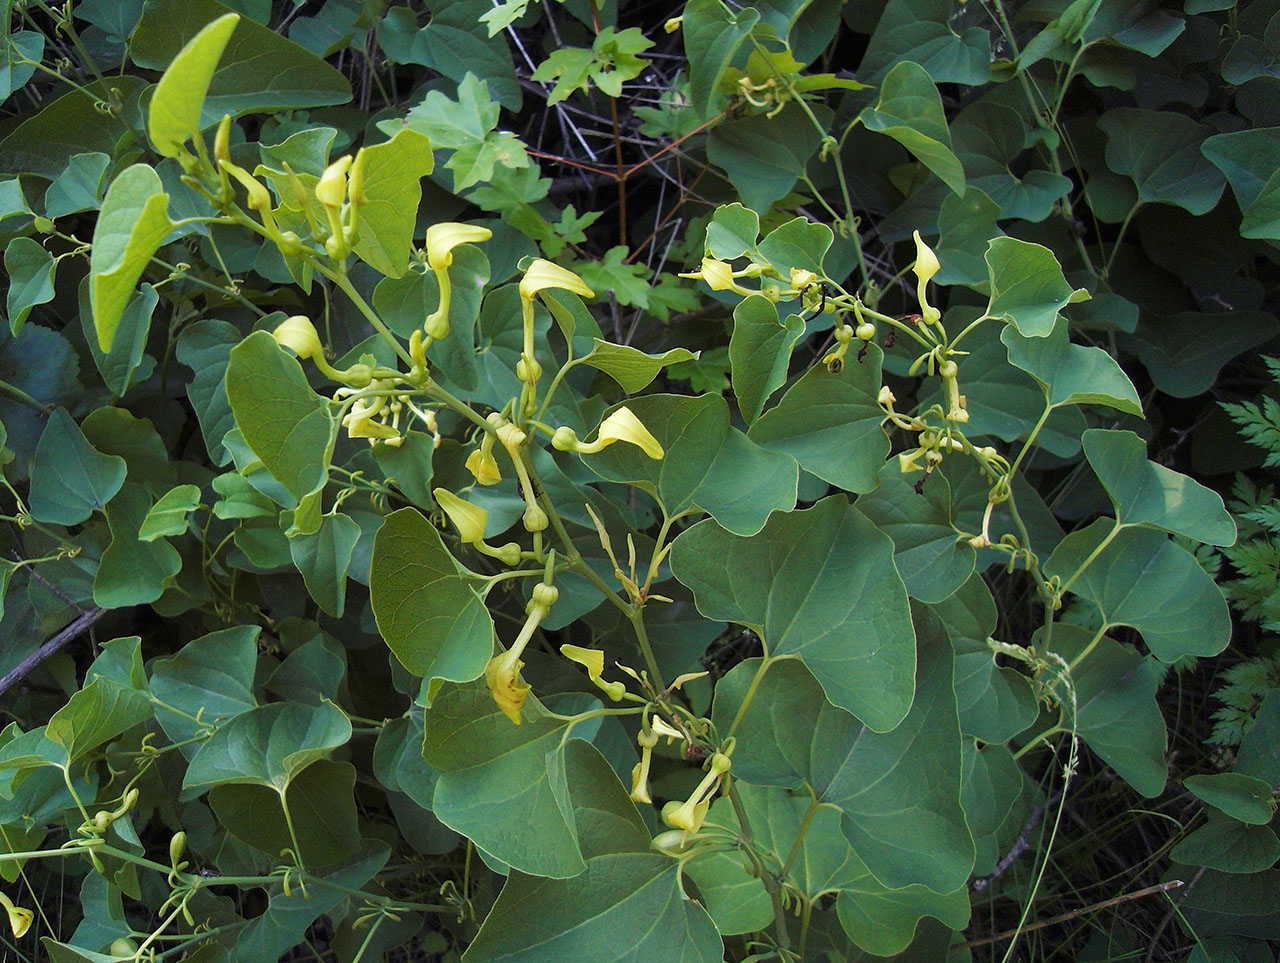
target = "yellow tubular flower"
x: 503, y: 678
x: 542, y: 274
x: 719, y: 276
x: 467, y: 518
x: 908, y: 463
x: 331, y: 190
x: 19, y: 919
x: 926, y: 267
x: 593, y: 661
x: 483, y: 466
x: 502, y: 674
x: 623, y: 425
x: 444, y: 237
x: 299, y: 335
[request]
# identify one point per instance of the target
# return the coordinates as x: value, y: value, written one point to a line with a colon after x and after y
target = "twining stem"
x: 767, y: 877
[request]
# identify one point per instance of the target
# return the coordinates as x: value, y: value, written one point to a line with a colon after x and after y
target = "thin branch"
x: 81, y: 623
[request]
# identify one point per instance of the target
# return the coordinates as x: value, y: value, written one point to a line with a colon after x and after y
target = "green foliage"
x: 556, y: 487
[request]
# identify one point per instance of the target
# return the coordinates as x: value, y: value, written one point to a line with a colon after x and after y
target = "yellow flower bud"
x: 467, y: 518
x: 259, y: 198
x: 222, y: 140
x: 543, y: 274
x: 331, y: 190
x: 442, y: 238
x: 926, y: 265
x: 299, y: 335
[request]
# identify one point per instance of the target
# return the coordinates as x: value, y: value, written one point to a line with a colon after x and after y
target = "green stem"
x: 344, y: 284
x: 1089, y: 559
x: 18, y: 394
x: 767, y: 877
x: 750, y: 694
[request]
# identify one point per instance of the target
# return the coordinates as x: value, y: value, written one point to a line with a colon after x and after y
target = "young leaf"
x: 389, y: 206
x: 131, y: 226
x: 168, y: 516
x: 759, y: 352
x: 174, y: 114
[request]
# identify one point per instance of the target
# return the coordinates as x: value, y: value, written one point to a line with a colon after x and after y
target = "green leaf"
x: 712, y: 35
x: 760, y: 351
x: 387, y: 213
x: 1249, y: 159
x: 910, y: 111
x: 31, y: 269
x: 209, y: 680
x: 631, y: 367
x: 95, y: 715
x: 174, y: 114
x: 1239, y: 796
x: 965, y: 225
x: 1071, y: 374
x: 824, y: 862
x: 286, y: 424
x: 501, y: 785
x: 261, y: 70
x: 205, y: 348
x: 629, y: 902
x: 1138, y: 577
x: 830, y: 423
x: 127, y: 361
x: 819, y: 584
x: 993, y: 793
x: 1027, y: 286
x: 797, y: 244
x: 427, y: 612
x: 1117, y: 714
x: 70, y: 479
x: 920, y: 31
x: 764, y: 156
x: 732, y: 231
x: 72, y: 124
x: 929, y: 553
x: 883, y: 921
x: 455, y: 44
x: 994, y: 702
x: 1185, y: 353
x: 323, y: 559
x: 168, y: 516
x: 899, y: 791
x: 1145, y: 493
x: 79, y: 187
x: 322, y: 807
x: 1229, y: 846
x: 708, y: 464
x: 267, y: 746
x: 27, y: 44
x: 131, y: 226
x: 1159, y: 150
x: 132, y: 572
